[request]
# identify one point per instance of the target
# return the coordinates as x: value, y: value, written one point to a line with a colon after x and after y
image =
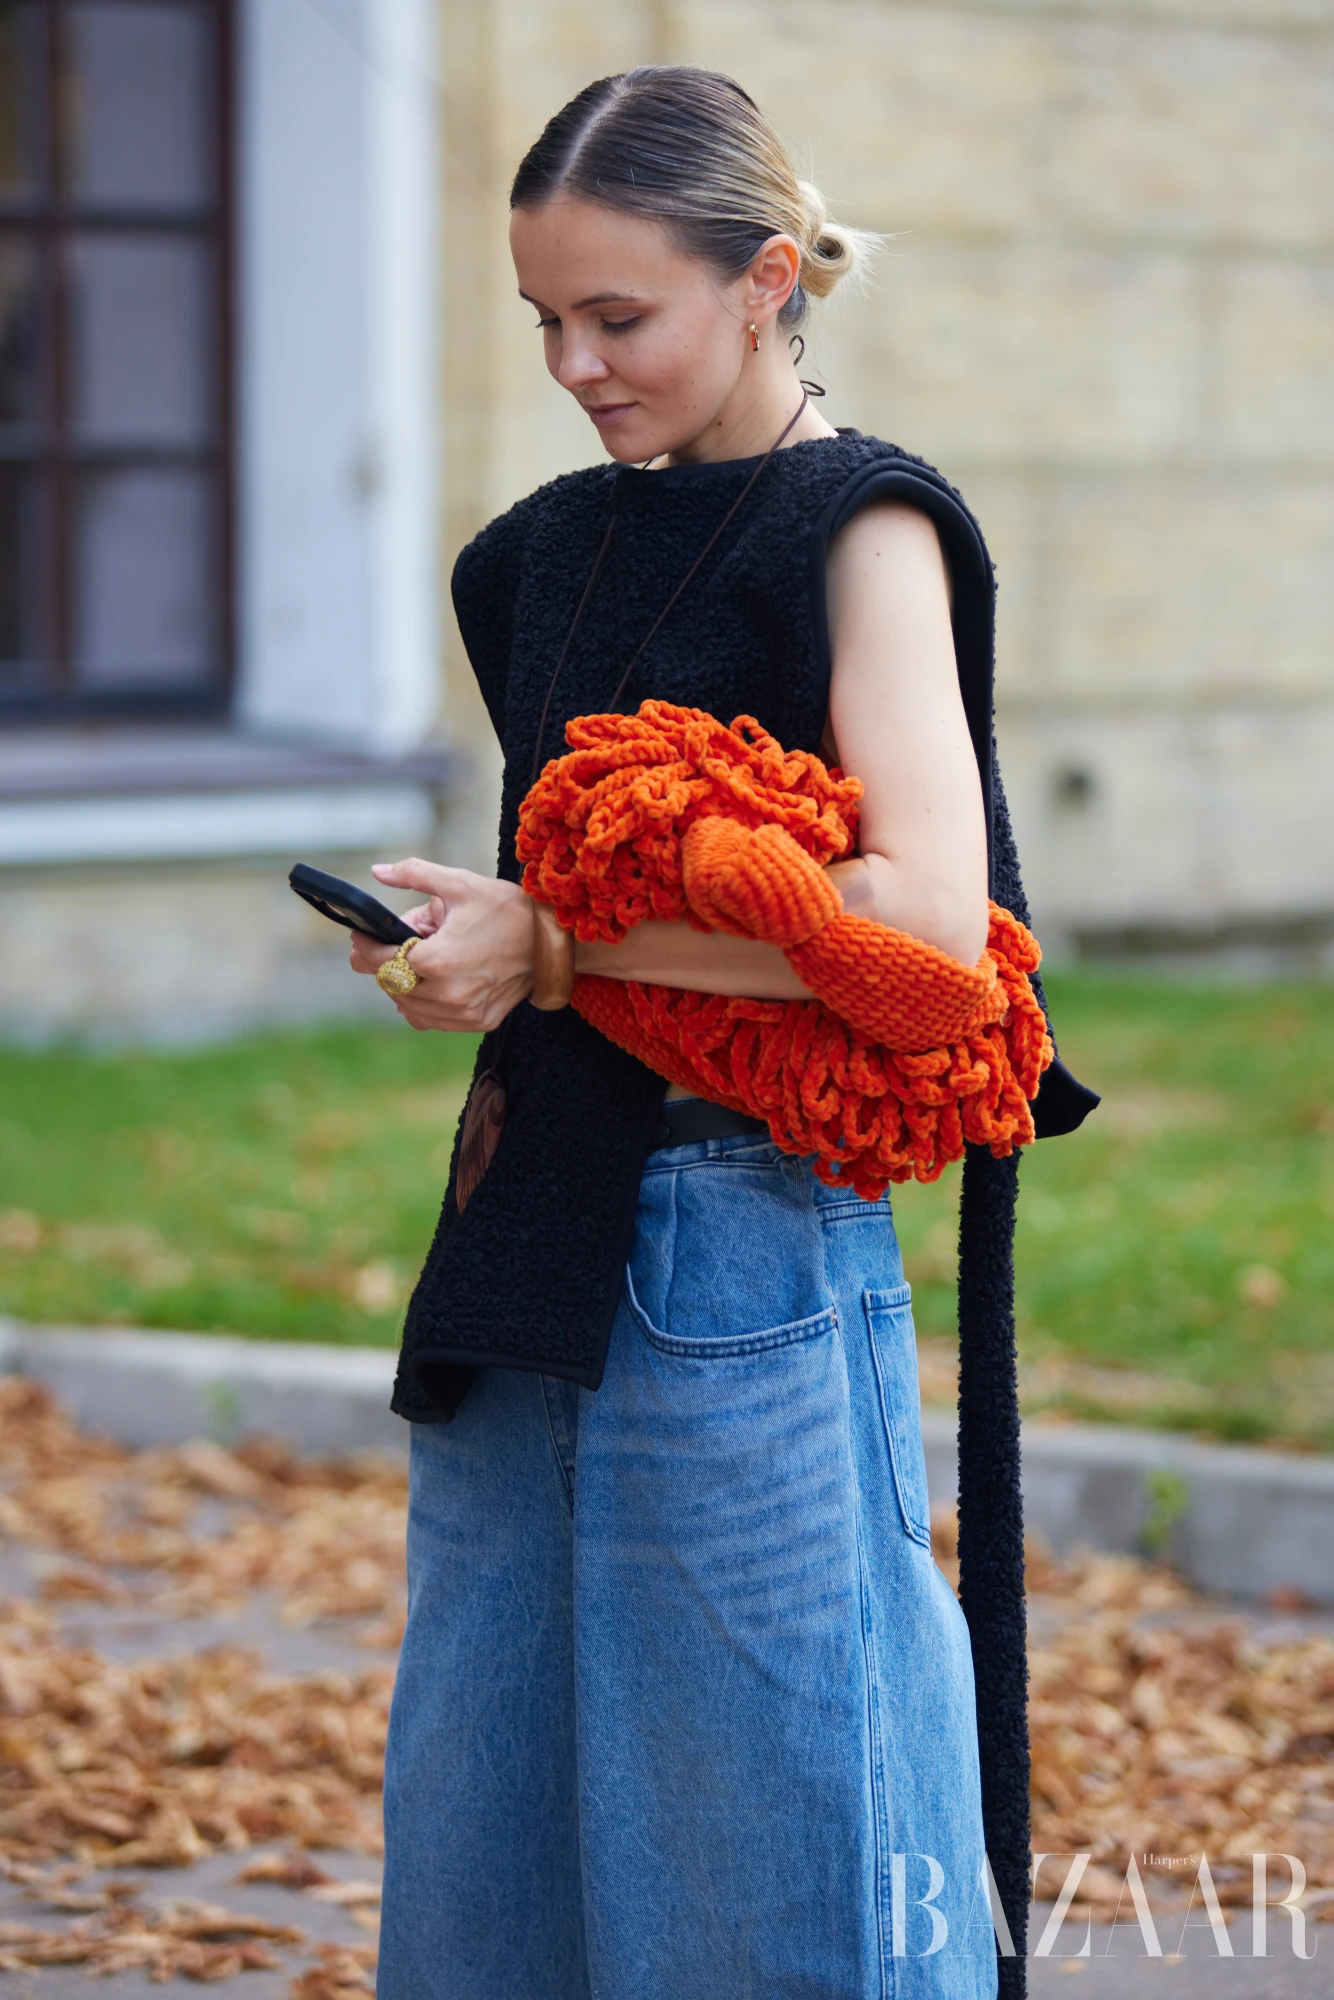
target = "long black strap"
x: 497, y: 1049
x: 694, y: 567
x: 653, y: 630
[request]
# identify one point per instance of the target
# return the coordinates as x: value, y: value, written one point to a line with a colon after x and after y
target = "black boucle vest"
x: 530, y: 1275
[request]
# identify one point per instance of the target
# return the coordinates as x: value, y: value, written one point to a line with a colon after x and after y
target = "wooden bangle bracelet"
x: 553, y: 960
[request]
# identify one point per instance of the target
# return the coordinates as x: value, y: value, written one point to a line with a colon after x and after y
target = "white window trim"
x: 338, y: 390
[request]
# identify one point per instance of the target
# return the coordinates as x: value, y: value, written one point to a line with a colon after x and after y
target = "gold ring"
x: 396, y: 977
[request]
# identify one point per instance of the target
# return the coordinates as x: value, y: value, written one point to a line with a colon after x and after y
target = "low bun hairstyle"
x: 828, y: 250
x: 691, y: 149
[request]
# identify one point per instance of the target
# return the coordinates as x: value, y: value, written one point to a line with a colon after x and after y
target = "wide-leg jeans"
x: 685, y: 1708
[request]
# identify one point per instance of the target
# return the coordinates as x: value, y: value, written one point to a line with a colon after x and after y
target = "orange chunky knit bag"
x: 904, y: 1055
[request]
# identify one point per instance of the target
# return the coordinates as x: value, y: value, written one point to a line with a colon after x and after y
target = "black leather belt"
x: 684, y: 1121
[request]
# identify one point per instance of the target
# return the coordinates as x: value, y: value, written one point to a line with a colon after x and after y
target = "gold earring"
x: 754, y: 338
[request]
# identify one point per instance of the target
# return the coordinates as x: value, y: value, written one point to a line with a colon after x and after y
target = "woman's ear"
x: 772, y: 277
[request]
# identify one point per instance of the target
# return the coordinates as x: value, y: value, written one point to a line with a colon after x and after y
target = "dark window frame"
x: 50, y: 222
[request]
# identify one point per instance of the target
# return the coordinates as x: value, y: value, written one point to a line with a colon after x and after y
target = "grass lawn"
x: 285, y: 1186
x: 1176, y: 1256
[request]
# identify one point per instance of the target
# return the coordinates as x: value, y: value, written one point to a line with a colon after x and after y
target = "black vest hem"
x: 436, y: 1373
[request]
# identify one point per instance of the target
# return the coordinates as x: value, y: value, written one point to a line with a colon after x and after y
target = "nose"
x: 580, y: 364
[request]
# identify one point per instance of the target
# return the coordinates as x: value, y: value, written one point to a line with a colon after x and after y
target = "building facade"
x: 220, y: 629
x: 1106, y: 311
x: 263, y: 371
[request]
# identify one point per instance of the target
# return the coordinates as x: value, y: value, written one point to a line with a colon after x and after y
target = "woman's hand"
x: 475, y: 960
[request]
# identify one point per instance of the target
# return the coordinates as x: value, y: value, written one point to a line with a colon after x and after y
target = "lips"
x: 608, y: 413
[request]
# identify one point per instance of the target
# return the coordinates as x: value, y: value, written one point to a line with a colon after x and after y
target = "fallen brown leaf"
x: 325, y: 1537
x: 290, y: 1871
x: 1157, y: 1727
x: 179, y: 1759
x: 343, y: 1973
x: 345, y: 1894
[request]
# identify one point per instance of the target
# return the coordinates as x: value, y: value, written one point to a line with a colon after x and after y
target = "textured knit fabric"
x: 903, y: 1055
x: 530, y: 1275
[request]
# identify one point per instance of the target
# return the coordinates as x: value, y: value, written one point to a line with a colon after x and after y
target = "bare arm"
x: 899, y: 723
x: 898, y: 720
x: 700, y: 961
x: 475, y: 960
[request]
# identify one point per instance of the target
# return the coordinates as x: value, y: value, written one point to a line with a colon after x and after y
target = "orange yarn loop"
x: 601, y: 830
x: 905, y: 1055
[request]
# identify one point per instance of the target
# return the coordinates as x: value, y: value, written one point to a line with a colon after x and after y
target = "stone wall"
x: 1108, y: 315
x: 173, y: 953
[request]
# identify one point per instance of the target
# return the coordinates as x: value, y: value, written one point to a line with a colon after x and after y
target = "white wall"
x: 339, y: 420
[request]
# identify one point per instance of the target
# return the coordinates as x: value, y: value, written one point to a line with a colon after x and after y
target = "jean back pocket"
x: 894, y: 1351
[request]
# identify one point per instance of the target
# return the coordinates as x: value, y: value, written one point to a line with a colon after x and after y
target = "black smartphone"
x: 345, y: 904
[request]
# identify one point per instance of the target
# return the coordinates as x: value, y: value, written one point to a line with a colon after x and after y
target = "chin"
x: 640, y: 435
x: 627, y: 448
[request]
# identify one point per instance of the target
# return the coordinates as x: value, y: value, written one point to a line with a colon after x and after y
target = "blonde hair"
x: 690, y: 148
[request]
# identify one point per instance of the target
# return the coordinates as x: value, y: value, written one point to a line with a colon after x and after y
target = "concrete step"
x: 1234, y: 1518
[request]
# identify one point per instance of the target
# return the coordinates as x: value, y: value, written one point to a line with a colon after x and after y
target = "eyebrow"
x: 599, y: 299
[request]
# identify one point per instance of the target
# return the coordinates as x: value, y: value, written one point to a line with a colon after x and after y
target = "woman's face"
x: 647, y: 339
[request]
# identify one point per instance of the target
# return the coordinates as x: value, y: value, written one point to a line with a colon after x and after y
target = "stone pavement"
x: 1234, y: 1517
x: 1116, y: 1966
x: 1114, y: 1961
x: 135, y: 1627
x: 135, y: 1632
x: 211, y: 1880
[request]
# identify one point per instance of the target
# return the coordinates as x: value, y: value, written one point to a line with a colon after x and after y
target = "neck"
x: 752, y: 416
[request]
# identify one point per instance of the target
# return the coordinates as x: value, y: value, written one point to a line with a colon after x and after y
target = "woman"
x: 685, y: 1708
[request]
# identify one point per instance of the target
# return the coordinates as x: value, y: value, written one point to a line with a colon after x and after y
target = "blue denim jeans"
x: 685, y: 1709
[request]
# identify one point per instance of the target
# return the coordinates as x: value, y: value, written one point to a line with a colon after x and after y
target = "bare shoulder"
x: 888, y: 544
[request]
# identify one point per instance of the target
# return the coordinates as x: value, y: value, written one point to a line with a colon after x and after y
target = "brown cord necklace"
x: 485, y: 1117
